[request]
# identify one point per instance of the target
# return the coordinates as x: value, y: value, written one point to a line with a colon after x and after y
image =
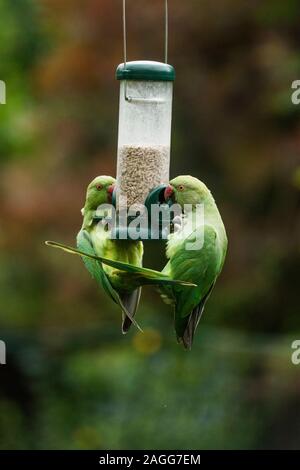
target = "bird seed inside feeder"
x: 140, y: 169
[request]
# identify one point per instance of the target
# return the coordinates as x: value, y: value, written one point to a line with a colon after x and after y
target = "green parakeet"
x: 121, y: 275
x: 197, y: 257
x: 94, y: 238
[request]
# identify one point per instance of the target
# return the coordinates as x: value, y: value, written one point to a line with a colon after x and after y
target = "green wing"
x: 96, y: 270
x: 202, y: 267
x: 84, y: 243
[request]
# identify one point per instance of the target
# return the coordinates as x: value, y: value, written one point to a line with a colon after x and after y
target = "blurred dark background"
x: 71, y: 380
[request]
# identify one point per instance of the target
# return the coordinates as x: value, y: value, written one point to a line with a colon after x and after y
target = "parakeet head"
x: 99, y: 191
x: 186, y: 189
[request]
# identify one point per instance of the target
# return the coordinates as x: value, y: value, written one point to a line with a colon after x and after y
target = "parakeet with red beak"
x: 121, y: 276
x: 198, y: 256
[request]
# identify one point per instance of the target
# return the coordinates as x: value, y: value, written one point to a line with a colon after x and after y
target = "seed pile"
x: 140, y: 169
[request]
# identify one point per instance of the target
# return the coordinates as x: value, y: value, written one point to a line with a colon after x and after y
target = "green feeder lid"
x: 146, y: 70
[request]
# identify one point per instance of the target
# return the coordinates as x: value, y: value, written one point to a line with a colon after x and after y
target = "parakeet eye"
x: 180, y: 187
x: 99, y: 187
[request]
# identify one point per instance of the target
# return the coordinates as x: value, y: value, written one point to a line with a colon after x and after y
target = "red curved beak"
x: 110, y: 191
x: 169, y: 192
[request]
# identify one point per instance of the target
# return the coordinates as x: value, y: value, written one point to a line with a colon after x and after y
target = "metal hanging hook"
x: 166, y: 32
x: 131, y: 98
x: 124, y: 33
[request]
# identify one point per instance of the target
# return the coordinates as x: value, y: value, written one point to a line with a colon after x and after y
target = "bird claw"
x: 177, y: 220
x: 106, y: 224
x: 177, y: 223
x: 177, y: 227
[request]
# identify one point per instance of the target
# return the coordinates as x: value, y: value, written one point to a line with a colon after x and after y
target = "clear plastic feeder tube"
x: 145, y: 115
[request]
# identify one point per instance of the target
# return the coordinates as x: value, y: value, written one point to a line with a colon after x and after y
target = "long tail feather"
x: 127, y: 314
x: 151, y: 276
x: 131, y: 302
x: 191, y: 323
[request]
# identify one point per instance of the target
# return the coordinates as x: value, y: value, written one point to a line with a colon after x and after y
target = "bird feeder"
x: 144, y: 137
x: 145, y: 114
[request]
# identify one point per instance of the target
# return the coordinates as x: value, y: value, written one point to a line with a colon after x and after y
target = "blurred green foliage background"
x: 71, y: 380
